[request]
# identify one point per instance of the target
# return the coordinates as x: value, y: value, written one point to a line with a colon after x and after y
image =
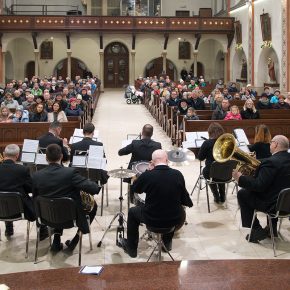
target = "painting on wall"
x: 266, y: 27
x: 184, y: 50
x: 238, y: 30
x: 46, y: 50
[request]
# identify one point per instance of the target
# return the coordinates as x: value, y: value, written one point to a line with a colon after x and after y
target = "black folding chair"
x: 50, y: 212
x: 220, y: 173
x: 282, y: 211
x: 12, y: 209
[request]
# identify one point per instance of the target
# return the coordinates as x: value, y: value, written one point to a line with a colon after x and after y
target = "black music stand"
x: 119, y: 173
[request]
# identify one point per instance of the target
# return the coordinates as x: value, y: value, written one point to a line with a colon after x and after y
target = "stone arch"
x: 155, y: 66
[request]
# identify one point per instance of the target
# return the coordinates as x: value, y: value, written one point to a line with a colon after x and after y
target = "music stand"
x: 118, y: 173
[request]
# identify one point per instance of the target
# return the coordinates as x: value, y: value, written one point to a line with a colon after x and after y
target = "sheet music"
x: 78, y: 132
x: 96, y: 151
x: 79, y: 161
x: 30, y: 145
x: 188, y: 144
x: 28, y: 157
x: 76, y: 139
x: 126, y: 142
x: 96, y: 163
x: 41, y: 159
x: 190, y: 136
x: 96, y: 134
x: 244, y: 148
x: 195, y: 139
x: 241, y: 136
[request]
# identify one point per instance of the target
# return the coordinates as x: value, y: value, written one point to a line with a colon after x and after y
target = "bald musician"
x: 261, y: 191
x: 165, y: 194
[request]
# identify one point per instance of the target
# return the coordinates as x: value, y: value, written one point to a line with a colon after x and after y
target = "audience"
x: 281, y: 103
x: 57, y: 114
x: 5, y: 115
x: 20, y: 116
x: 9, y: 102
x: 39, y: 114
x: 221, y: 110
x: 73, y: 109
x: 233, y: 114
x: 249, y: 111
x: 264, y: 102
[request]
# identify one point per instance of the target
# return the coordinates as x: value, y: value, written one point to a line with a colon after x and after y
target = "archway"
x: 116, y: 65
x: 200, y: 69
x: 9, y: 68
x: 155, y: 68
x: 220, y: 65
x: 78, y: 68
x: 263, y: 72
x: 240, y: 66
x: 30, y: 69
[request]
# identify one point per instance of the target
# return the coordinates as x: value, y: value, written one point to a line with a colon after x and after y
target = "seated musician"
x: 262, y: 140
x: 261, y: 191
x: 16, y: 178
x: 58, y: 181
x: 84, y: 145
x: 215, y: 130
x: 52, y: 137
x: 165, y: 195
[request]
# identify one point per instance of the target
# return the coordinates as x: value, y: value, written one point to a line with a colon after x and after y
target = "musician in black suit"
x: 52, y: 137
x: 84, y: 145
x: 16, y: 178
x: 58, y: 181
x: 165, y: 195
x: 141, y: 149
x: 261, y: 191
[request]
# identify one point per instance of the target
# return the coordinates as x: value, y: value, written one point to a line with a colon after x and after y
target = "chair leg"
x: 280, y: 224
x: 102, y: 200
x: 37, y: 242
x: 167, y: 251
x: 107, y: 194
x: 152, y: 252
x: 272, y: 235
x: 90, y: 233
x: 253, y: 219
x: 207, y: 197
x: 27, y: 238
x: 49, y: 235
x: 80, y: 248
x: 159, y: 239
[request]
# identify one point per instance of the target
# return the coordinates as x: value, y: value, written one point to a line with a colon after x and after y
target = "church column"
x: 36, y: 62
x: 164, y: 54
x: 226, y: 76
x: 101, y: 68
x: 3, y: 68
x: 195, y: 53
x: 132, y: 74
x: 69, y: 52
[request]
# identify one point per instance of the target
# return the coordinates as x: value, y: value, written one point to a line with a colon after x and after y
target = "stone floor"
x: 215, y: 235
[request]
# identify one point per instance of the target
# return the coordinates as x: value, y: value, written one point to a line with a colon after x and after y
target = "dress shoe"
x: 222, y: 197
x: 267, y: 230
x: 131, y: 252
x: 257, y: 235
x: 9, y: 230
x: 71, y: 244
x: 168, y: 246
x: 216, y: 198
x: 56, y: 245
x: 43, y: 234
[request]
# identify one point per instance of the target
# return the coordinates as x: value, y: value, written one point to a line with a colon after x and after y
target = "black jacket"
x: 270, y: 178
x: 218, y: 113
x: 165, y: 194
x: 58, y: 181
x: 262, y: 150
x: 140, y: 150
x: 48, y: 139
x: 16, y: 178
x: 197, y: 104
x: 249, y: 114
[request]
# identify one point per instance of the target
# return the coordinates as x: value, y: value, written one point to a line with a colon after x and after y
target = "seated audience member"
x: 84, y: 93
x: 57, y: 114
x: 218, y: 98
x: 202, y: 83
x: 173, y: 100
x: 61, y: 101
x: 191, y: 114
x: 9, y: 102
x: 5, y: 115
x: 81, y: 103
x: 247, y: 95
x: 36, y: 90
x: 233, y: 88
x: 29, y: 102
x: 221, y: 110
x: 182, y: 107
x: 237, y: 96
x: 267, y: 91
x: 48, y: 106
x: 274, y: 98
x: 287, y: 100
x: 17, y: 96
x: 220, y: 85
x: 195, y: 101
x: 264, y: 102
x: 17, y: 179
x: 226, y: 94
x: 53, y: 137
x: 165, y: 195
x: 20, y: 115
x: 215, y: 130
x: 261, y: 145
x: 252, y: 91
x: 281, y: 103
x: 73, y: 109
x: 261, y: 191
x: 57, y: 181
x: 233, y: 114
x: 211, y: 98
x: 39, y: 114
x: 249, y: 111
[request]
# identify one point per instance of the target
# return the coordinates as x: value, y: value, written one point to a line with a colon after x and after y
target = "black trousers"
x: 91, y: 214
x: 248, y: 203
x: 135, y: 217
x: 217, y: 189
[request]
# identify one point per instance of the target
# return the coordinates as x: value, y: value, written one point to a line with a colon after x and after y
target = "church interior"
x: 107, y: 47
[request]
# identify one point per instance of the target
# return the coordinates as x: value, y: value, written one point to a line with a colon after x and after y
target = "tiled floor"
x: 207, y: 236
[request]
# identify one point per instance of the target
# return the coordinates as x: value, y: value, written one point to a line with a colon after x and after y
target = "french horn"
x: 226, y: 148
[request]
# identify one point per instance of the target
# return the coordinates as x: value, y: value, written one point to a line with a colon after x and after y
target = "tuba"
x: 88, y: 201
x: 226, y: 148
